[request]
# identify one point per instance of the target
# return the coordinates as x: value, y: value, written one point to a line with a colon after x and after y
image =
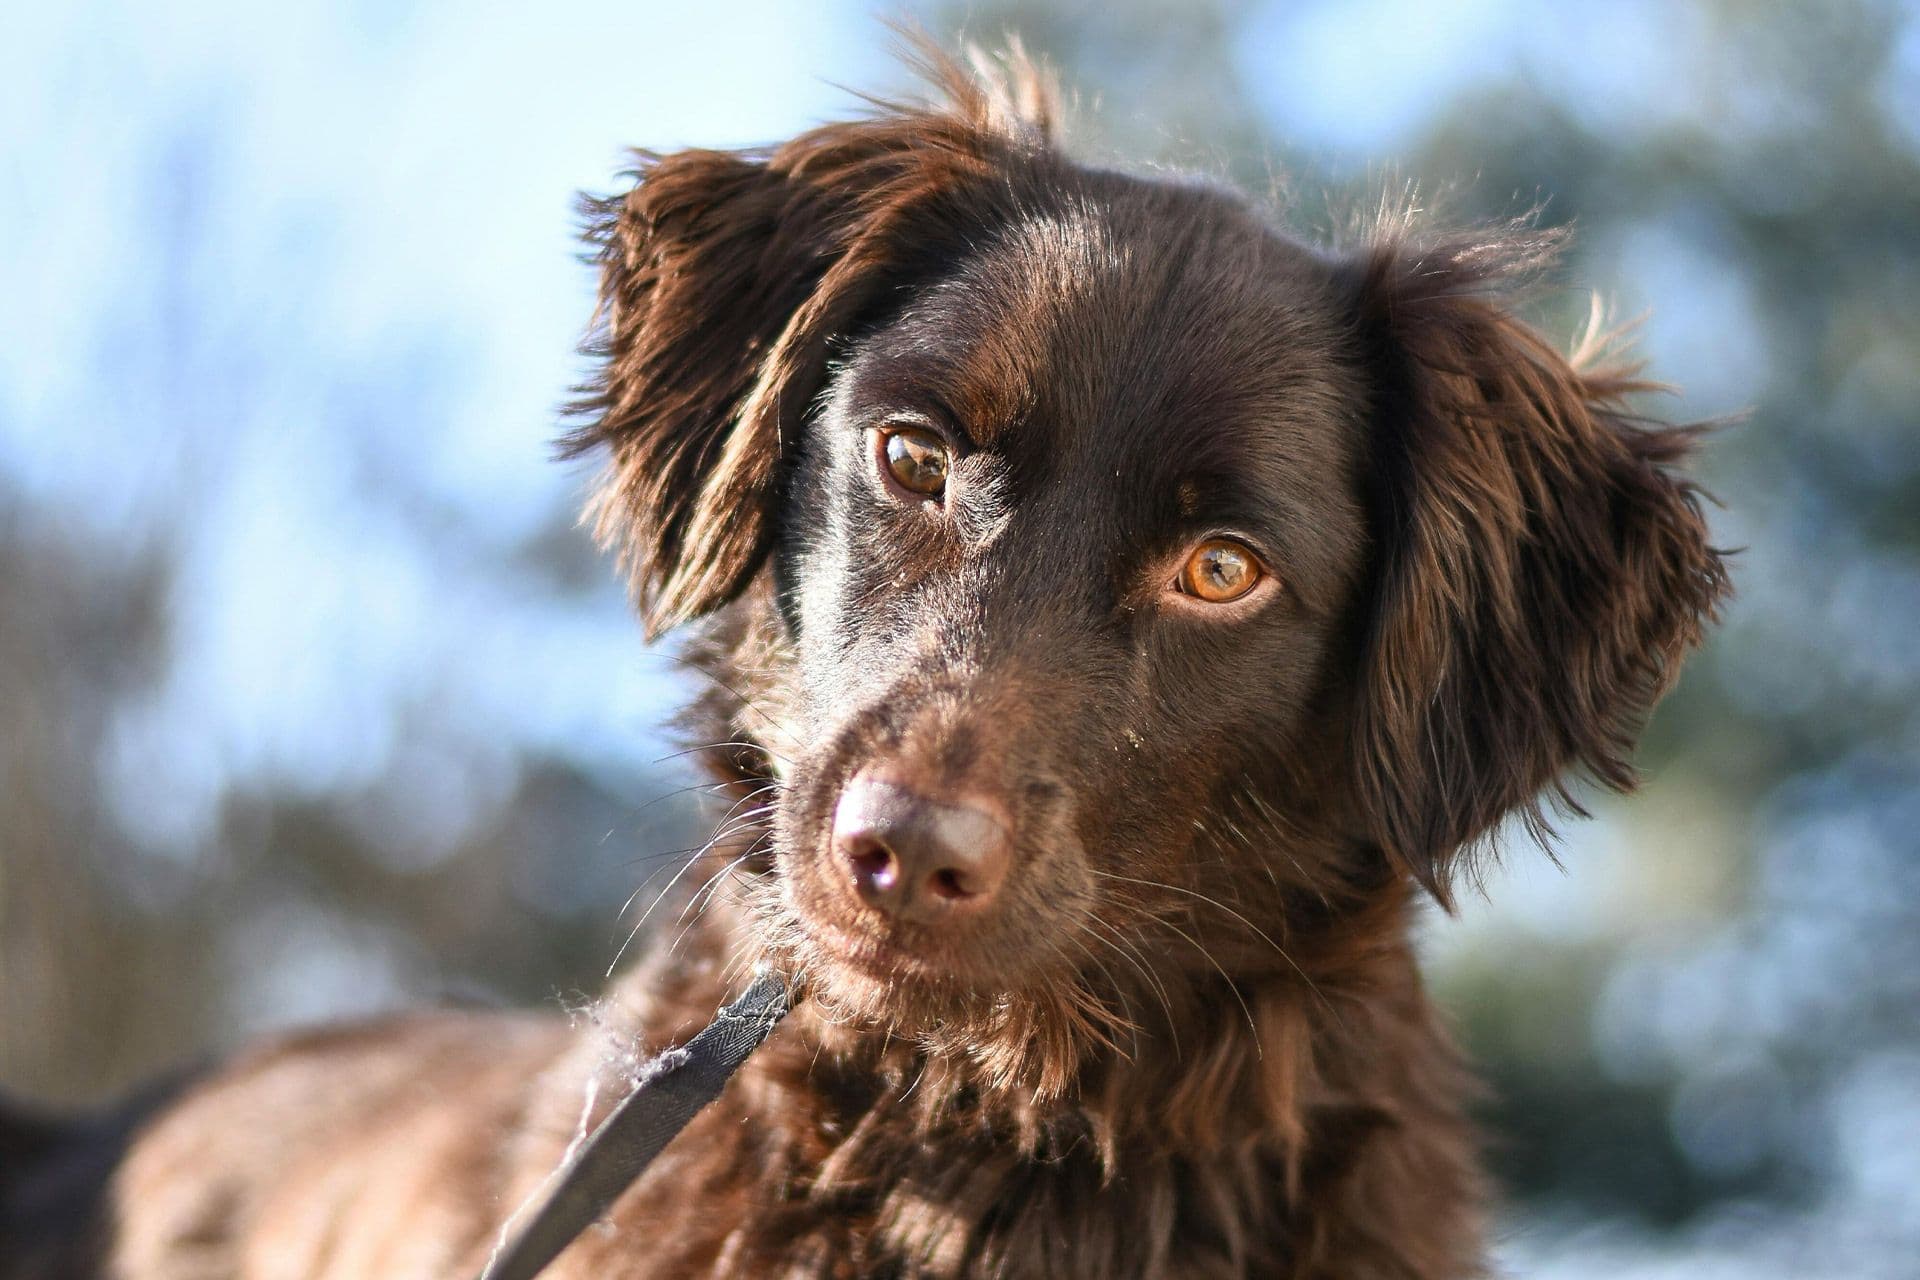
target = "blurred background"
x: 313, y: 700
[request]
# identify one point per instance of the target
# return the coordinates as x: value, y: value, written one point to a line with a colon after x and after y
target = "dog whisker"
x: 711, y: 845
x: 731, y: 745
x: 1129, y: 953
x: 1232, y: 986
x: 702, y: 898
x: 1236, y: 915
x: 692, y: 854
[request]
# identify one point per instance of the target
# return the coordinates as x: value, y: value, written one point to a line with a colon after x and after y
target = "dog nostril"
x: 874, y: 867
x: 947, y: 883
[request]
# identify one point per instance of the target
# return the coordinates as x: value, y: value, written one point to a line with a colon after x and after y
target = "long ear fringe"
x: 1545, y: 567
x: 724, y: 277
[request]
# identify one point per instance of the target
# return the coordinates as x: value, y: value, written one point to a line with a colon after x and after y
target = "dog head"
x: 1109, y: 573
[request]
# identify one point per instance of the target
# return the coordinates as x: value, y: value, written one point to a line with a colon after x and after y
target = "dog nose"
x: 916, y: 858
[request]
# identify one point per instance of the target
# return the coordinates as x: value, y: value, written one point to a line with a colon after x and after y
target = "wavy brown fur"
x: 1189, y: 1038
x: 1547, y: 570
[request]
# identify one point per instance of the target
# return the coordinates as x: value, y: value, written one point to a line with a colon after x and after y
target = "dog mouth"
x: 887, y: 956
x: 844, y: 934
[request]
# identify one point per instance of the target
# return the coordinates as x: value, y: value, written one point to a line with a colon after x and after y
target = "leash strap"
x: 672, y: 1090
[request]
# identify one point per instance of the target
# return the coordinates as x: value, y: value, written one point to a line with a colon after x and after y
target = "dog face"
x: 1065, y: 549
x: 1112, y: 574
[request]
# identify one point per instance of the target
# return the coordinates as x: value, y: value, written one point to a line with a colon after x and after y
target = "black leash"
x: 672, y: 1090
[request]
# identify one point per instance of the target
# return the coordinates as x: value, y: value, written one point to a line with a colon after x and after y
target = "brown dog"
x: 1121, y: 613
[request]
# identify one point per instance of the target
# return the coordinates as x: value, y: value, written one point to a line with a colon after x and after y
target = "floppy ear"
x: 1542, y: 571
x: 726, y: 277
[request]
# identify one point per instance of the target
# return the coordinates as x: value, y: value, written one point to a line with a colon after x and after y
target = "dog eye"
x: 916, y: 458
x: 1220, y: 571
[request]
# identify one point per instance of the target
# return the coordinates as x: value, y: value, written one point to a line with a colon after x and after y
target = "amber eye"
x: 917, y: 458
x: 1220, y: 571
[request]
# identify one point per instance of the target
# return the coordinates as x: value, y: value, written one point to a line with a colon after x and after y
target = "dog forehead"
x: 1151, y: 331
x: 1151, y: 307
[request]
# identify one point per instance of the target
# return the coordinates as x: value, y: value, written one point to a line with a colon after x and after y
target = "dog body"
x: 397, y: 1149
x: 1120, y: 615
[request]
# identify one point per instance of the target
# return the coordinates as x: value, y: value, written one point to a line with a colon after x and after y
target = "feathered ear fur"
x: 725, y: 278
x: 1543, y: 567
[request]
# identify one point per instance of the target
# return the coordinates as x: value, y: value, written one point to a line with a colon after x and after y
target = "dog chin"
x: 1024, y: 1040
x: 873, y: 968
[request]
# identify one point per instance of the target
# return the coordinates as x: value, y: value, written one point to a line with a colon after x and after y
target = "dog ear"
x: 1542, y: 568
x: 726, y: 278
